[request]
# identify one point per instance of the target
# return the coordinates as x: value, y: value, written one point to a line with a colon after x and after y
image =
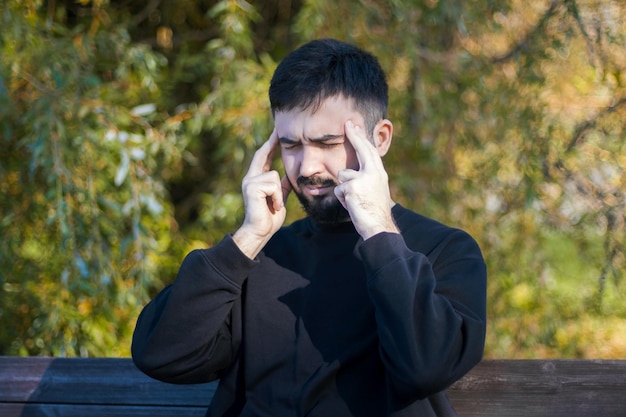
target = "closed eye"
x: 287, y: 143
x: 327, y: 145
x: 329, y: 141
x: 325, y: 142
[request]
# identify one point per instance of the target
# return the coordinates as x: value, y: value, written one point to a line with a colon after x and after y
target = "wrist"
x: 385, y: 224
x: 249, y: 243
x: 387, y: 228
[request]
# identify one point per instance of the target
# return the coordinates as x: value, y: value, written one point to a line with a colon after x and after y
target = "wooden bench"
x: 113, y: 387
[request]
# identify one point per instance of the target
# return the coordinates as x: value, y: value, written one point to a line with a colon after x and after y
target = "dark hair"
x: 325, y: 68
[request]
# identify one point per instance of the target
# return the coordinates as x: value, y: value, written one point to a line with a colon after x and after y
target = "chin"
x: 324, y: 209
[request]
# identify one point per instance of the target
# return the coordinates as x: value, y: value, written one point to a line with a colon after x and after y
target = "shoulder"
x: 432, y: 237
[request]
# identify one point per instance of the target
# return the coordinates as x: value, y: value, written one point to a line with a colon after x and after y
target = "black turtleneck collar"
x: 343, y: 227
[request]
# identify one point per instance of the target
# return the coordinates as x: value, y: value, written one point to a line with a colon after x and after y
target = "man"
x: 363, y: 308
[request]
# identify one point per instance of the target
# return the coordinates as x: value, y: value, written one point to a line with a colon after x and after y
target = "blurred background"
x: 127, y: 125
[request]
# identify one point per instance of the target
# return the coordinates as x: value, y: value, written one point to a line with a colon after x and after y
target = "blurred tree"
x: 126, y: 127
x: 85, y: 147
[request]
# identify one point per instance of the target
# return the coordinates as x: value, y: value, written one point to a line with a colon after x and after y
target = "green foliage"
x: 126, y: 129
x: 84, y: 213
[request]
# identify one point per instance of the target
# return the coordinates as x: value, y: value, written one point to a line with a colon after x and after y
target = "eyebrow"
x: 323, y: 138
x: 326, y: 137
x: 287, y: 141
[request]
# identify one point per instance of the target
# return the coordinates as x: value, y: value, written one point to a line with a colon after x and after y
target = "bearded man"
x: 362, y: 308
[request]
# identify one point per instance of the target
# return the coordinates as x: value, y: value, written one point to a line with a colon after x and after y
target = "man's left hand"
x: 365, y: 193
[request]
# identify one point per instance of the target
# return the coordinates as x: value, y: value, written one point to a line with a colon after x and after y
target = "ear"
x: 383, y: 133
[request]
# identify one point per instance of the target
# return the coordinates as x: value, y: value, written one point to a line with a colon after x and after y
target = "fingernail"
x: 350, y: 124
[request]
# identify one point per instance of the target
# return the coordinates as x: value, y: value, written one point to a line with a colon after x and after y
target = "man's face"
x: 314, y: 148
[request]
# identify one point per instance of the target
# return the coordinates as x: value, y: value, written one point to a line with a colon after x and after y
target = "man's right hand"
x: 264, y: 196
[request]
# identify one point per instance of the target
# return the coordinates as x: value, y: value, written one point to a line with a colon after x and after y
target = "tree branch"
x: 572, y: 7
x: 523, y: 44
x: 145, y: 13
x: 582, y: 128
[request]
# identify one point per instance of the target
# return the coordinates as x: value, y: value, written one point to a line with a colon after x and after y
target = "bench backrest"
x: 107, y: 387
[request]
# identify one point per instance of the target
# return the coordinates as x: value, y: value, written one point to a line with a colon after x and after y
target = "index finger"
x: 365, y: 150
x: 262, y: 159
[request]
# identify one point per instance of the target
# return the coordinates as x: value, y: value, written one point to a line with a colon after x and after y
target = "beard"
x: 326, y: 209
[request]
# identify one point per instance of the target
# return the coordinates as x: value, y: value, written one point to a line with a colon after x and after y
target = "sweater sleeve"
x: 191, y: 330
x: 430, y: 313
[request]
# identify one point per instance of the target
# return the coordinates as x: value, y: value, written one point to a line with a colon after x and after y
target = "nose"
x: 311, y: 161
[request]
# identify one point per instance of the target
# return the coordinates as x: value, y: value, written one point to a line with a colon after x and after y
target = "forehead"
x: 328, y: 118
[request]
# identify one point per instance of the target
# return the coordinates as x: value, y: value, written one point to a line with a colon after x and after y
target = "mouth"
x: 315, y: 186
x: 318, y: 190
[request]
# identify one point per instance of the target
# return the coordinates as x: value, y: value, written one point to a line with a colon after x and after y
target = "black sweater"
x: 322, y: 323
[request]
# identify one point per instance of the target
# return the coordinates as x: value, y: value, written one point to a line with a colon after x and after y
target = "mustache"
x: 315, y: 181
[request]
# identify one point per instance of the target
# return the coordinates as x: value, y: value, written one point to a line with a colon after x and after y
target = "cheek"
x: 350, y: 158
x: 339, y: 159
x: 290, y: 164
